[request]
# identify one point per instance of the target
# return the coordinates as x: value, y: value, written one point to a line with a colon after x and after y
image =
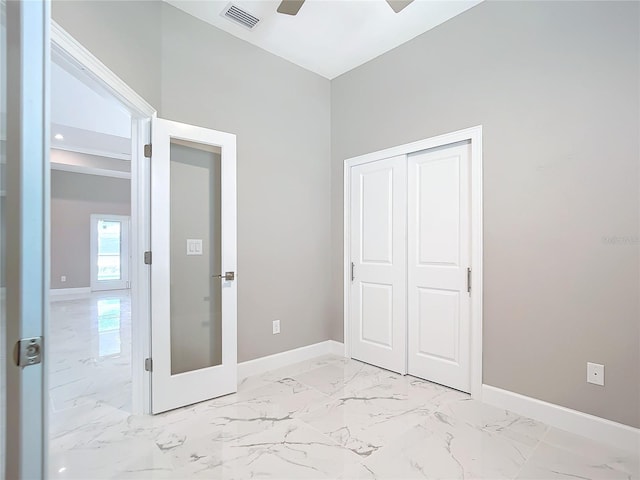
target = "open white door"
x: 193, y: 266
x: 378, y: 246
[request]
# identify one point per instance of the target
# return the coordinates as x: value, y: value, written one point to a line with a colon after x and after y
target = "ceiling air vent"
x: 238, y: 15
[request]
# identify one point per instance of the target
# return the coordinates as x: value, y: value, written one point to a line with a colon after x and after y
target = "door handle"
x: 228, y: 276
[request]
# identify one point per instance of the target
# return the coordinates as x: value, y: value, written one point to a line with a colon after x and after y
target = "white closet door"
x: 378, y: 255
x: 438, y: 258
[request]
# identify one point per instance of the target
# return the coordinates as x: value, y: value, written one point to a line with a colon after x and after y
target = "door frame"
x: 125, y: 247
x: 474, y: 136
x: 66, y: 50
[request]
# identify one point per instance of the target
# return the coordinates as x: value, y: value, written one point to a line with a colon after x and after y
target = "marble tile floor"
x: 89, y: 352
x: 328, y: 418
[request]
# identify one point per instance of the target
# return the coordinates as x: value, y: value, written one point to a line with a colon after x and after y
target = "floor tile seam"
x: 581, y: 455
x: 533, y: 452
x: 329, y: 397
x: 396, y: 437
x: 357, y: 458
x: 500, y: 434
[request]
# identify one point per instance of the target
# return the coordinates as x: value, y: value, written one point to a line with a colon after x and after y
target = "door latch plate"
x: 29, y: 351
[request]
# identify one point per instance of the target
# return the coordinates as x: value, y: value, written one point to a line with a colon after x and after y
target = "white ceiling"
x: 329, y: 37
x: 90, y: 122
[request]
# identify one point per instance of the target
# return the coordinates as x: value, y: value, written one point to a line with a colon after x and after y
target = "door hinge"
x: 468, y: 280
x: 147, y: 150
x: 147, y: 258
x: 148, y: 365
x: 28, y: 351
x: 353, y: 271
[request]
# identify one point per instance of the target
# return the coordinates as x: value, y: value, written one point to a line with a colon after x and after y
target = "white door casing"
x: 378, y: 306
x: 122, y: 282
x: 438, y: 257
x: 177, y: 390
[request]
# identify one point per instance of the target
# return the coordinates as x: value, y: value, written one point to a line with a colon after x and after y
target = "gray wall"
x: 195, y: 73
x: 74, y: 197
x: 556, y: 87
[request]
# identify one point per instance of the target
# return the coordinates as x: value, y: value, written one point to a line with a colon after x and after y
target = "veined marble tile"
x: 328, y: 417
x: 258, y: 381
x: 495, y: 420
x: 108, y: 460
x: 367, y: 420
x: 287, y: 449
x: 444, y: 447
x: 344, y: 378
x: 596, y: 452
x: 550, y: 463
x: 286, y: 395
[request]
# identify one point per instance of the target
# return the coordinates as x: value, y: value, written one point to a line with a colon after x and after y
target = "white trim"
x: 65, y: 48
x: 336, y: 348
x: 56, y: 292
x: 101, y: 172
x: 600, y: 429
x: 93, y: 151
x: 140, y: 242
x: 70, y: 54
x: 125, y: 248
x: 283, y: 359
x: 474, y: 135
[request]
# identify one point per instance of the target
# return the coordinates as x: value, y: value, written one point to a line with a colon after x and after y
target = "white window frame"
x: 125, y: 256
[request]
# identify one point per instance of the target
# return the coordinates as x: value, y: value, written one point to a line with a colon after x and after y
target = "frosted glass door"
x: 193, y: 268
x: 196, y: 307
x: 24, y: 144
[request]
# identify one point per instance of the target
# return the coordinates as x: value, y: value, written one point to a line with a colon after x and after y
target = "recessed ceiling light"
x: 58, y: 136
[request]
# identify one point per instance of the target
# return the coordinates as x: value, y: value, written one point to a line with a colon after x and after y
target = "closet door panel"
x: 438, y: 257
x: 378, y: 256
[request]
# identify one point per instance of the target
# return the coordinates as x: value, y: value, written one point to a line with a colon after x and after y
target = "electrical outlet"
x: 63, y: 278
x: 595, y: 373
x: 276, y: 327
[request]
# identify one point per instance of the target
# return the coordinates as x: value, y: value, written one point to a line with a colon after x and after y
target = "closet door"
x: 378, y: 256
x: 438, y: 258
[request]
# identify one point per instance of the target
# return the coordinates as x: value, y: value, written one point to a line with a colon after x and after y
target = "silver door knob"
x: 228, y: 276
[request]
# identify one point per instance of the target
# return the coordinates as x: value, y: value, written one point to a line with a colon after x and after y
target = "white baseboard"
x: 279, y: 360
x: 337, y: 348
x: 615, y: 434
x: 54, y: 292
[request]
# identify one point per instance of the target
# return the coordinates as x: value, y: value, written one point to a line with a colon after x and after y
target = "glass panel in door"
x: 195, y: 256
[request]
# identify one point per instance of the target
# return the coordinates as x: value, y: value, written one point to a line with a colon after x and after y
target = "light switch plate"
x: 595, y: 373
x: 194, y: 246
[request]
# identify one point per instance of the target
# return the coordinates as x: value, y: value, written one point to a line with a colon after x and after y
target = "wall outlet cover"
x: 63, y: 278
x: 595, y: 373
x: 276, y: 327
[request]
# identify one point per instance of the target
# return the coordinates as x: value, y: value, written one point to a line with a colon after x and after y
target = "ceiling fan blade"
x: 290, y: 7
x: 398, y: 5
